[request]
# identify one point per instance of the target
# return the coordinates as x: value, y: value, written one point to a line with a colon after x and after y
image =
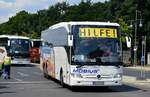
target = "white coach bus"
x: 83, y: 53
x: 18, y: 48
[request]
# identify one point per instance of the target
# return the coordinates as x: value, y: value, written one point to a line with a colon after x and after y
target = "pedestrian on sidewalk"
x: 7, y: 66
x: 1, y: 60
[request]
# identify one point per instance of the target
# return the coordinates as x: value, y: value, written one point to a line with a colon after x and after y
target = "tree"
x: 124, y: 27
x: 121, y: 11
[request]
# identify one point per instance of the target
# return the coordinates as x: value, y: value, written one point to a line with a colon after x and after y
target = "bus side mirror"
x: 8, y: 42
x: 128, y: 41
x: 70, y: 40
x: 32, y: 44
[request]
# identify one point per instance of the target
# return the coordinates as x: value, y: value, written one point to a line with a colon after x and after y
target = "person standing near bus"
x: 1, y: 67
x: 7, y: 65
x: 2, y: 56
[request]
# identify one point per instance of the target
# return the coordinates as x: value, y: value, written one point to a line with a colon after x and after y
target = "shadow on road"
x: 123, y: 88
x: 3, y: 89
x: 6, y: 92
x: 23, y: 65
x: 2, y: 86
x: 90, y: 89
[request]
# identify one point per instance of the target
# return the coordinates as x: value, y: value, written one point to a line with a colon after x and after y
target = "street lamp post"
x: 135, y: 44
x: 136, y: 21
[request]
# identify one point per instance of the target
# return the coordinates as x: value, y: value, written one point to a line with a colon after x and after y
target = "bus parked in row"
x: 35, y: 51
x: 18, y: 48
x: 83, y: 53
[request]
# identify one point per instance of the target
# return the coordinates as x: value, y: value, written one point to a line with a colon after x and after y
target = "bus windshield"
x: 36, y: 44
x: 20, y: 45
x: 96, y: 45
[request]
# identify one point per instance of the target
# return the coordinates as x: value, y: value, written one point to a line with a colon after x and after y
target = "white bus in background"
x: 83, y: 53
x: 18, y: 48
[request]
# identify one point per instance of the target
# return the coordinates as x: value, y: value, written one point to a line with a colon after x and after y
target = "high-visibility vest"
x: 7, y: 60
x: 1, y: 65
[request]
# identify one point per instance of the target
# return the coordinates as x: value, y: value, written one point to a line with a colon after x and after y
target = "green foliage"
x: 34, y: 35
x: 120, y: 11
x: 125, y: 27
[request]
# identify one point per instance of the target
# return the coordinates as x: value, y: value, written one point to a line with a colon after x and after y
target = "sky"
x: 9, y: 8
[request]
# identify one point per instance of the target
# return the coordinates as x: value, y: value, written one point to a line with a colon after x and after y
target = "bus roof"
x: 35, y: 39
x: 13, y: 37
x: 83, y: 23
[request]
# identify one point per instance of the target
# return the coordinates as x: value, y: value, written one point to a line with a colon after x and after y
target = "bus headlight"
x: 118, y: 75
x: 75, y: 75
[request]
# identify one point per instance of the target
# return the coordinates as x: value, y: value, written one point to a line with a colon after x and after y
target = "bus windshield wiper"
x: 86, y: 63
x: 81, y: 64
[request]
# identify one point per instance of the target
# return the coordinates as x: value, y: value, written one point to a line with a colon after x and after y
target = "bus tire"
x: 62, y: 79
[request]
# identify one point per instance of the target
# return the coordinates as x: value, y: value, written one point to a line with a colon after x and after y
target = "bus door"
x: 48, y: 60
x: 51, y: 64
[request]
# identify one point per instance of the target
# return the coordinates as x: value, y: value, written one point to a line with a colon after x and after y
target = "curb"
x: 134, y: 81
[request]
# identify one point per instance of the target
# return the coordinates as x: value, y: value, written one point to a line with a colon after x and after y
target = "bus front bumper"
x: 95, y: 82
x: 20, y: 61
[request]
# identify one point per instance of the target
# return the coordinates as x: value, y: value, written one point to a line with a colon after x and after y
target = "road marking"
x: 17, y: 79
x: 27, y: 82
x: 37, y: 73
x: 23, y: 74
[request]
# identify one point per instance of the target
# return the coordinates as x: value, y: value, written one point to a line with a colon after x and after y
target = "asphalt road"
x: 28, y: 81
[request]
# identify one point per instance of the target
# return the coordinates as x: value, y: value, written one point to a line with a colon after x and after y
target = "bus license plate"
x: 98, y: 83
x: 20, y: 62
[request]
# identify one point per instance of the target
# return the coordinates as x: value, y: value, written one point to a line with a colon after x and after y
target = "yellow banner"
x: 98, y: 32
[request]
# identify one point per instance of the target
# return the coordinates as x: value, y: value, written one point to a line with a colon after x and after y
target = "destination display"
x: 98, y: 32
